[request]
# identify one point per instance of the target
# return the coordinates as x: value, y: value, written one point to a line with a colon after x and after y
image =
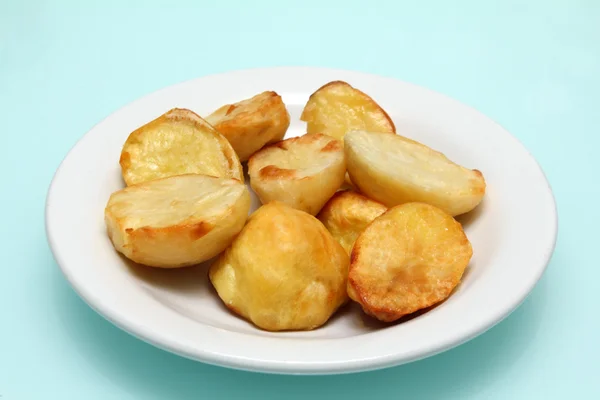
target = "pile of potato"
x: 350, y: 210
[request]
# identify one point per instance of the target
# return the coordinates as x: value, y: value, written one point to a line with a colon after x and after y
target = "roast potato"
x: 284, y: 271
x: 394, y: 170
x: 337, y: 107
x: 407, y: 259
x: 252, y: 123
x: 176, y: 221
x: 302, y: 172
x: 178, y: 142
x: 347, y: 214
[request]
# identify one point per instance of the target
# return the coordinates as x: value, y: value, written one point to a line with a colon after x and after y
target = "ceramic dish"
x: 513, y: 233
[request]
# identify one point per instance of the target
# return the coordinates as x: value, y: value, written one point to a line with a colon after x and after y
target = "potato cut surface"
x: 302, y: 172
x: 178, y: 142
x: 176, y: 221
x: 395, y: 170
x: 337, y: 107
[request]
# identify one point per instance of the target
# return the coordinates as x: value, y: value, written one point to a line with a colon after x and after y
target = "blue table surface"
x: 532, y: 66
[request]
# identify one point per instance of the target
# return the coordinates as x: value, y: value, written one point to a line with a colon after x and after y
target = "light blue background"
x: 534, y: 67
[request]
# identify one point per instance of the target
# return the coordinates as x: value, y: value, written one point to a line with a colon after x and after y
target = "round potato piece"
x: 302, y: 172
x: 252, y: 123
x: 347, y: 214
x: 284, y: 271
x: 178, y: 142
x: 176, y: 221
x: 337, y: 107
x: 393, y: 170
x: 409, y: 258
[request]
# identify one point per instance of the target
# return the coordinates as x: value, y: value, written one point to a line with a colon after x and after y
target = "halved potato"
x: 302, y: 172
x: 407, y: 259
x: 337, y: 107
x: 284, y: 271
x: 176, y: 221
x: 178, y: 142
x: 347, y: 214
x: 393, y: 170
x: 252, y: 123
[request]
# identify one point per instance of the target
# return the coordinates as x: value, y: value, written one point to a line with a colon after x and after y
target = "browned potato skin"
x: 411, y: 257
x: 252, y: 123
x: 284, y: 271
x: 338, y: 107
x: 287, y: 171
x: 174, y: 153
x: 347, y: 214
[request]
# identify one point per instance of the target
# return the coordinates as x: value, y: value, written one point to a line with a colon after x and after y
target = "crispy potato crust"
x: 302, y: 172
x: 337, y: 107
x: 176, y: 221
x: 393, y: 170
x: 284, y: 271
x: 178, y: 142
x: 252, y: 123
x: 347, y: 214
x: 407, y: 259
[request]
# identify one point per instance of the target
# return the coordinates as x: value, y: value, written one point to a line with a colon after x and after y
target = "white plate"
x: 513, y: 233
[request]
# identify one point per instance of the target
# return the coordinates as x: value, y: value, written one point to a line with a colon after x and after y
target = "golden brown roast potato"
x: 252, y: 123
x: 178, y: 142
x: 394, y: 170
x: 407, y: 259
x: 303, y: 172
x: 337, y: 107
x: 176, y: 221
x: 284, y: 271
x: 347, y: 214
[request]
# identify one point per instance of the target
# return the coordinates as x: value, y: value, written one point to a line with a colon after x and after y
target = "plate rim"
x: 300, y: 368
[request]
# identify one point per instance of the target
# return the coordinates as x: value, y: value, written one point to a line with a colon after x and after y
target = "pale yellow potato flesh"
x: 284, y: 271
x: 409, y: 258
x: 176, y: 221
x: 178, y: 142
x: 338, y: 107
x: 302, y: 172
x: 393, y: 170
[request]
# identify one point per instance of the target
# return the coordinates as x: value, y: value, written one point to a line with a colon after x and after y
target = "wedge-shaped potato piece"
x: 347, y: 214
x: 302, y: 172
x: 337, y: 107
x: 252, y: 123
x: 176, y: 221
x: 178, y: 142
x: 394, y: 170
x: 409, y: 258
x: 284, y: 271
